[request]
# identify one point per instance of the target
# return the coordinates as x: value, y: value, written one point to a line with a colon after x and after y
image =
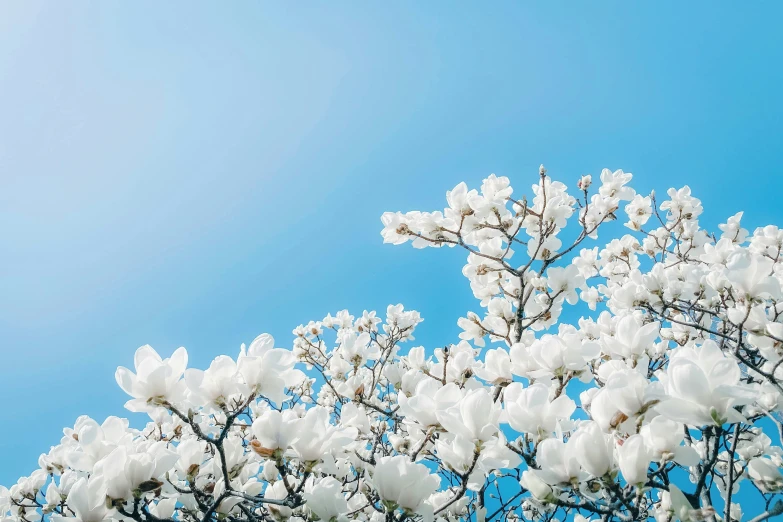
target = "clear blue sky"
x: 195, y: 174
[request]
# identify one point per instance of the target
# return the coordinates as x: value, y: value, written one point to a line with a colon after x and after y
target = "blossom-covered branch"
x: 661, y: 401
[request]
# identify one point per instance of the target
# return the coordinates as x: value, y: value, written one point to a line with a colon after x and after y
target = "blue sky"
x: 180, y: 174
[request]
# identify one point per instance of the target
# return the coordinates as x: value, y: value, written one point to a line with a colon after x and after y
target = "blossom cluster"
x: 662, y: 401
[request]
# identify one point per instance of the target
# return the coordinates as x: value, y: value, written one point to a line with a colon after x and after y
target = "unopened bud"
x: 542, y: 170
x: 584, y: 182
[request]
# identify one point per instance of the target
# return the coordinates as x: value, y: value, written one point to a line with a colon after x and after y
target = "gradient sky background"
x: 196, y: 174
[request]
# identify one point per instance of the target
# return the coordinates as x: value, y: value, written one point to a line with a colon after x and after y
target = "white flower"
x: 191, y: 455
x: 595, y: 449
x: 565, y: 281
x: 429, y: 398
x: 275, y: 430
x: 533, y: 483
x: 703, y: 387
x: 123, y: 472
x: 634, y: 459
x: 750, y: 276
x: 732, y: 229
x: 357, y: 349
x: 497, y: 367
x: 278, y: 491
x: 639, y: 211
x: 613, y: 184
x: 321, y: 436
x: 765, y: 474
x: 87, y: 499
x: 164, y: 508
x: 529, y: 410
x: 267, y: 370
x: 95, y: 441
x: 632, y: 337
x: 475, y: 416
x: 214, y: 386
x: 664, y: 438
x: 683, y: 511
x: 559, y: 462
x: 557, y: 354
x: 156, y: 380
x: 457, y: 453
x: 325, y: 498
x: 402, y: 483
x: 395, y: 227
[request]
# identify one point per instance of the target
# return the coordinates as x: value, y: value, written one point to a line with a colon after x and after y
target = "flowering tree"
x: 662, y: 401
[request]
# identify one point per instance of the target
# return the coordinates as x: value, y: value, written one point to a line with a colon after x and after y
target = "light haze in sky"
x: 195, y: 174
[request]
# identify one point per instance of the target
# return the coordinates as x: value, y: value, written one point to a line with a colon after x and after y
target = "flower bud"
x: 584, y: 182
x: 537, y: 487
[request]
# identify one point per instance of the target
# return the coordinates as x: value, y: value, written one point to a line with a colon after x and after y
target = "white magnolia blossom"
x: 634, y: 459
x: 529, y: 410
x: 325, y: 499
x: 663, y: 400
x: 402, y: 483
x: 156, y: 381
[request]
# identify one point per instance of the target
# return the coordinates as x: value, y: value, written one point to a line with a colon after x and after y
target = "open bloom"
x: 215, y: 385
x: 626, y: 396
x: 565, y: 281
x: 191, y: 455
x: 529, y: 410
x: 556, y: 354
x: 156, y: 380
x: 765, y: 474
x: 497, y: 367
x: 275, y: 430
x: 703, y: 387
x: 124, y: 473
x: 558, y: 461
x: 267, y: 370
x: 322, y: 436
x: 750, y: 276
x: 87, y: 499
x: 95, y: 441
x: 632, y: 338
x: 456, y: 453
x: 325, y: 498
x: 663, y: 438
x: 429, y: 397
x: 403, y: 483
x: 475, y: 416
x: 595, y: 449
